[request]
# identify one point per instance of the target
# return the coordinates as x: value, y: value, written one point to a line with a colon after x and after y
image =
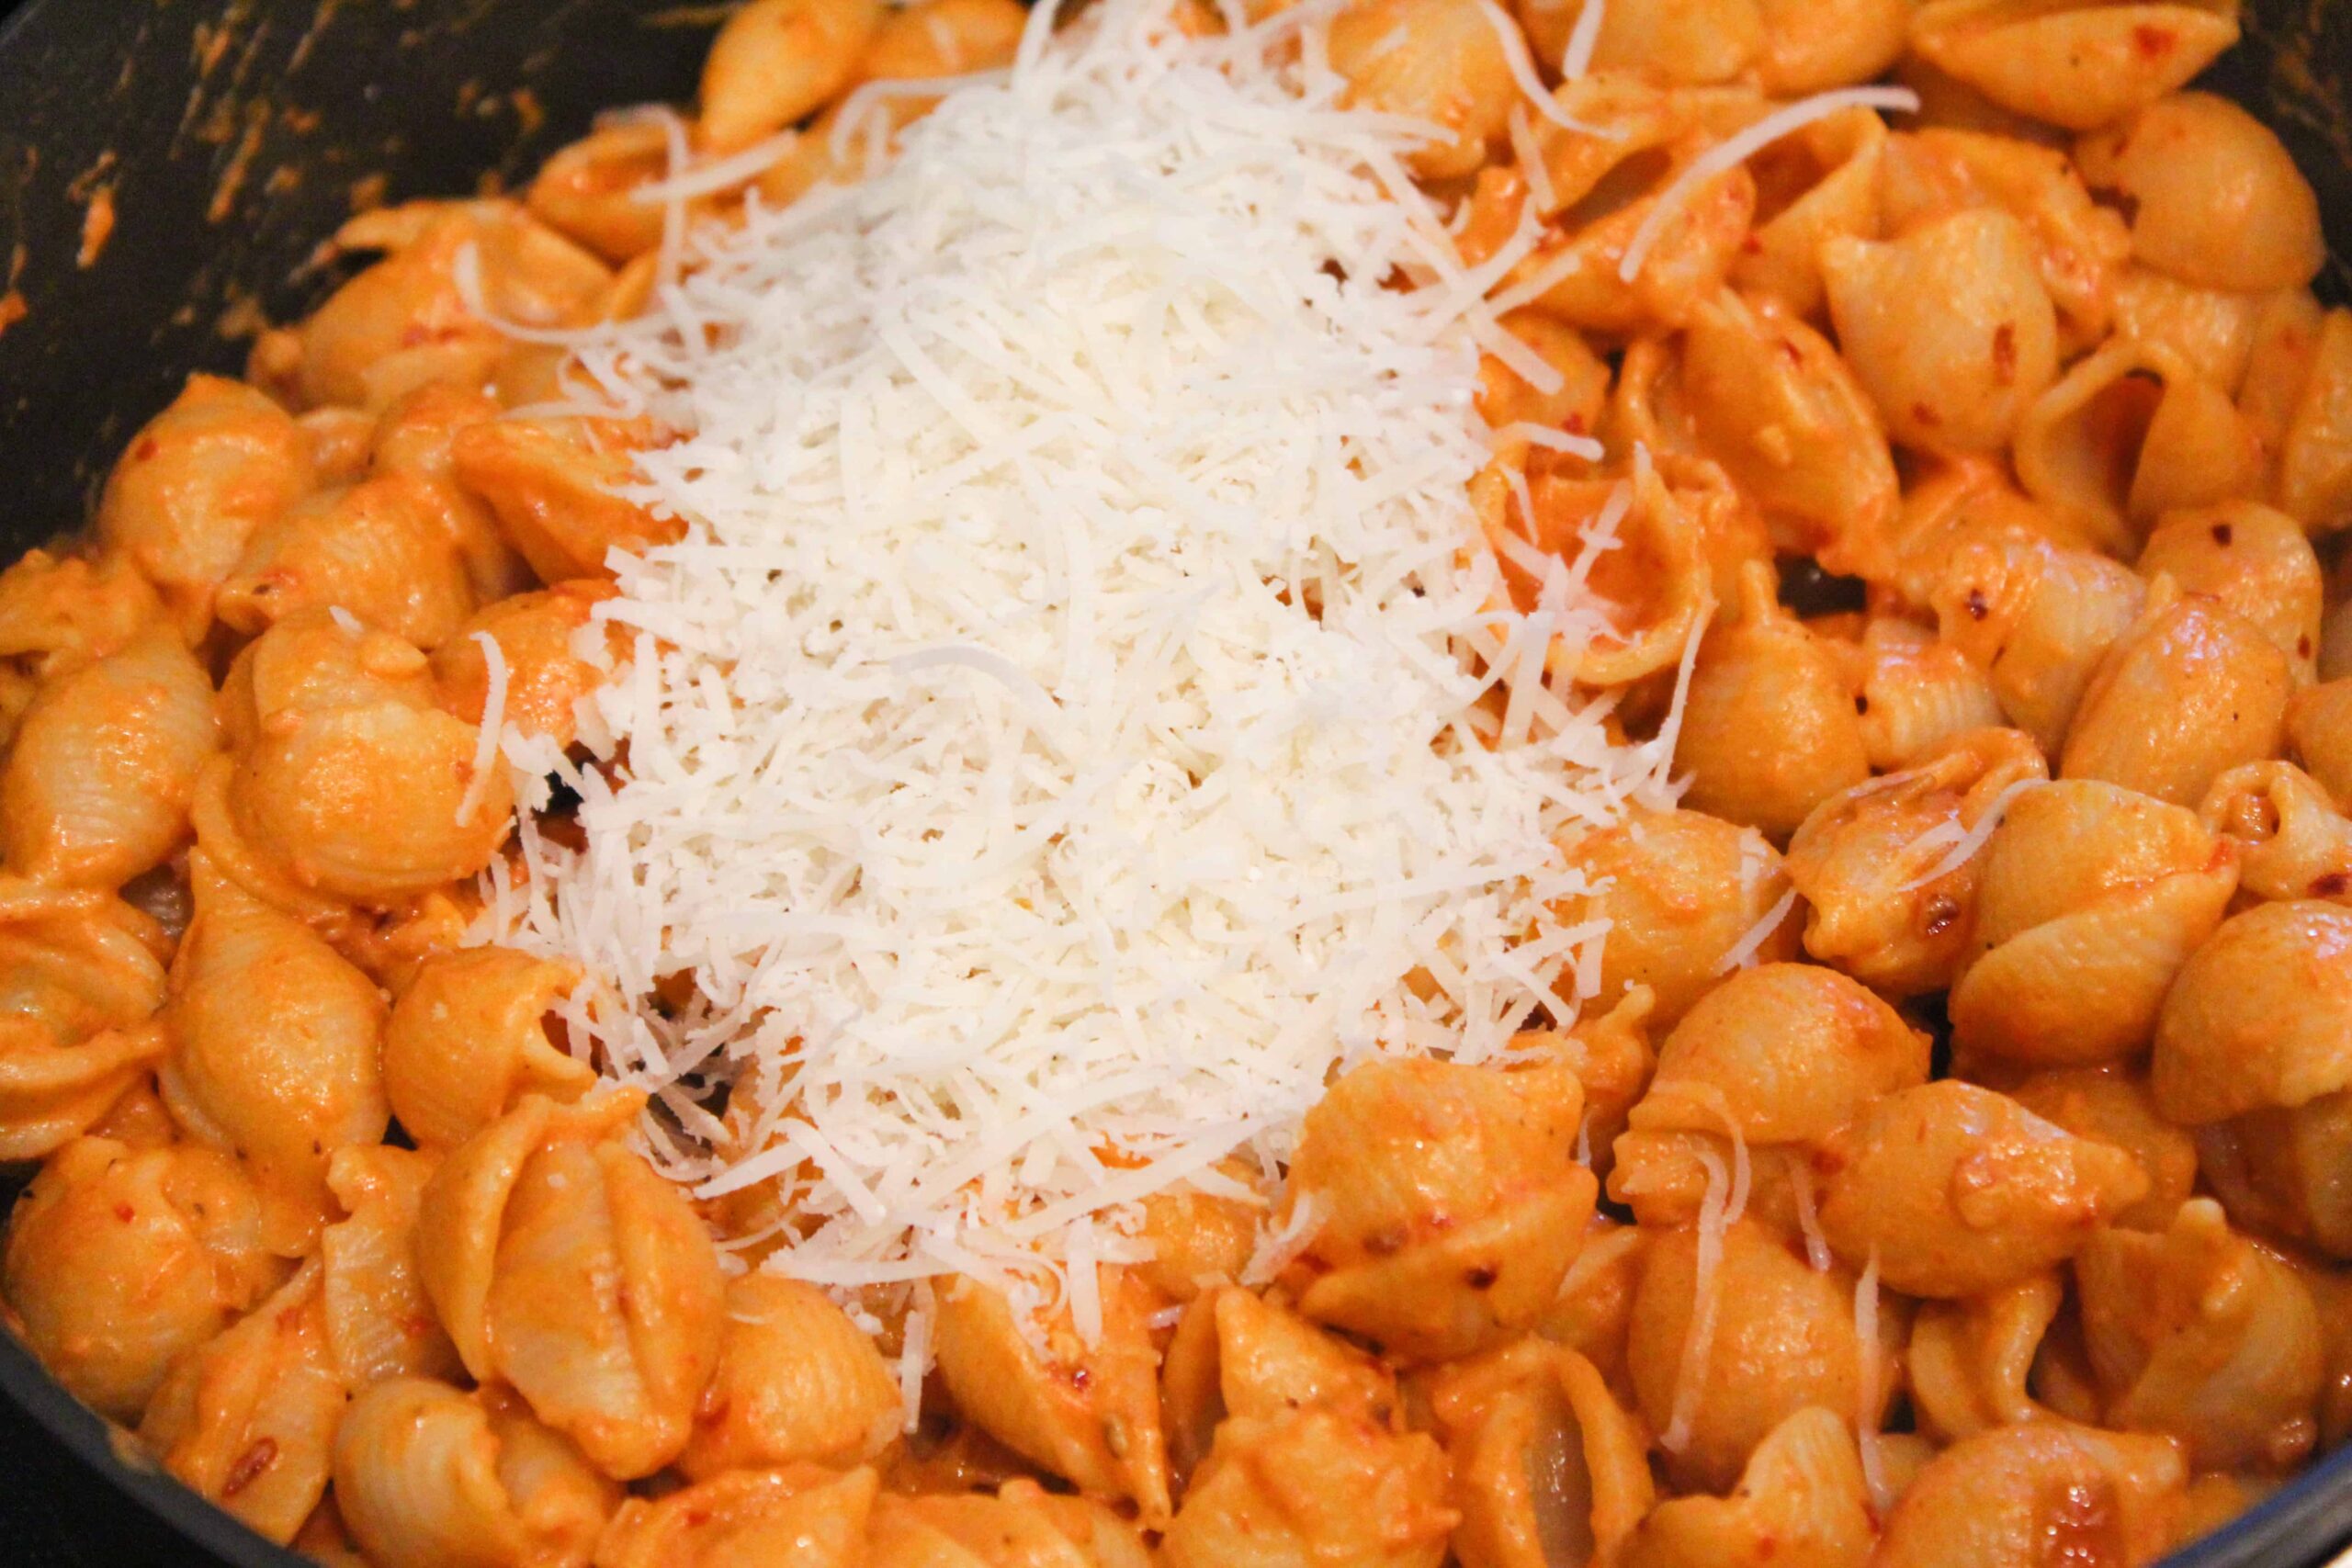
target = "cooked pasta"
x: 1801, y: 1018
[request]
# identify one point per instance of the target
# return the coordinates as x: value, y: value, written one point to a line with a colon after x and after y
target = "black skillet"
x: 232, y: 137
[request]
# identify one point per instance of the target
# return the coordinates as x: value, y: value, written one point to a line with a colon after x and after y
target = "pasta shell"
x: 2257, y: 1016
x: 274, y: 1052
x: 2075, y: 65
x: 1546, y: 1466
x: 467, y: 1037
x: 248, y: 1419
x: 1101, y: 1431
x: 380, y: 1323
x: 1970, y: 1360
x: 98, y: 786
x: 1956, y: 1190
x: 194, y: 485
x: 1801, y: 1497
x: 119, y: 1261
x: 797, y: 1383
x: 1285, y: 1488
x: 2198, y: 1334
x: 2004, y: 1494
x: 552, y: 484
x: 427, y: 1477
x: 802, y: 1517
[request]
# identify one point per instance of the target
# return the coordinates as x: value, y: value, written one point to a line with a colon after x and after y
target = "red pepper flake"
x: 1978, y: 608
x: 125, y: 1213
x: 1923, y: 415
x: 2154, y: 43
x: 2005, y: 353
x: 249, y: 1467
x: 2224, y: 533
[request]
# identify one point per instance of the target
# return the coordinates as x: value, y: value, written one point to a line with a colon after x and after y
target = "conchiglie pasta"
x: 1088, y: 1413
x: 1546, y: 1466
x: 797, y: 1383
x: 403, y: 322
x: 1681, y: 889
x: 2292, y: 841
x: 380, y: 550
x: 552, y: 484
x: 2258, y: 1015
x: 58, y: 613
x: 1769, y: 731
x: 2128, y: 433
x: 247, y: 1420
x: 799, y: 1517
x: 1023, y: 1524
x: 2257, y: 561
x: 1791, y: 1051
x: 1651, y: 590
x: 2008, y: 1494
x: 1885, y: 903
x: 2211, y: 330
x: 1440, y: 60
x: 1811, y: 48
x: 1772, y: 401
x: 2215, y: 198
x: 2314, y: 479
x: 2077, y: 65
x: 194, y: 484
x: 380, y: 1323
x: 468, y: 1038
x: 1684, y: 42
x: 363, y: 802
x: 2109, y: 1105
x: 2198, y: 1334
x: 2037, y: 618
x: 544, y: 678
x: 1816, y: 185
x: 1971, y: 1361
x: 274, y: 1052
x: 98, y: 786
x: 1446, y: 1202
x: 1236, y: 1353
x: 2090, y: 900
x: 562, y: 1265
x: 80, y: 975
x: 119, y: 1261
x: 2190, y: 692
x: 1915, y: 692
x: 2319, y: 732
x: 587, y: 189
x: 1310, y: 1484
x: 1722, y: 1354
x: 2280, y: 1170
x: 778, y: 62
x: 2081, y: 249
x: 427, y: 1477
x: 1801, y: 1497
x: 1955, y: 1190
x: 1948, y: 327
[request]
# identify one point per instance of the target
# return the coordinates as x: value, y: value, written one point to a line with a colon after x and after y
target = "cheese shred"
x: 1053, y: 748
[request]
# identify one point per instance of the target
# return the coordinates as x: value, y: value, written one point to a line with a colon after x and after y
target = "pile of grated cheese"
x: 1078, y: 718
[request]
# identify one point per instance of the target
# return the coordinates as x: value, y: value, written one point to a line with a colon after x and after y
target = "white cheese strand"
x: 486, y: 734
x: 1052, y: 745
x: 1736, y: 150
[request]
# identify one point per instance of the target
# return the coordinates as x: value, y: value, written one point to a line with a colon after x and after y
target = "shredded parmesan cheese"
x: 1741, y: 954
x: 1964, y: 845
x: 1698, y: 1339
x: 1056, y: 743
x: 493, y: 722
x: 1866, y: 1432
x: 1583, y: 39
x: 1733, y: 151
x: 1280, y: 1246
